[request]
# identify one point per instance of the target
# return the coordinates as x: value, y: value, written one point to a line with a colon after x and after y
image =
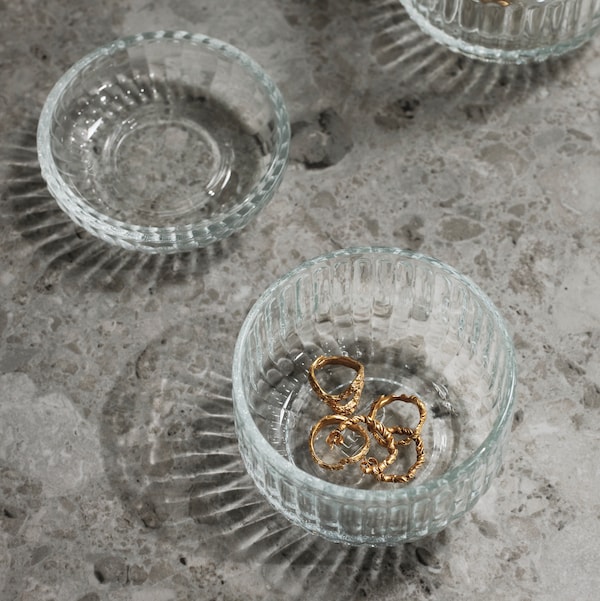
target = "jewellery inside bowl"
x: 419, y: 328
x: 343, y: 419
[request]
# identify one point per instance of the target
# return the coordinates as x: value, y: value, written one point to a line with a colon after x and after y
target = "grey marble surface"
x: 119, y: 474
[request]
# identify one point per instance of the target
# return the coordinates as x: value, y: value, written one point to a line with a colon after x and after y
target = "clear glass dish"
x: 507, y: 31
x: 164, y: 141
x: 419, y: 328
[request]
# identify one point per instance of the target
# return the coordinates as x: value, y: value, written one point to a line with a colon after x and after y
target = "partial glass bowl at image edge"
x: 419, y: 328
x: 507, y: 31
x: 163, y: 142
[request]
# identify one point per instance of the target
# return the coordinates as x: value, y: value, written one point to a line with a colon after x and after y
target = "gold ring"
x: 351, y: 394
x: 372, y: 466
x: 410, y: 433
x: 336, y: 438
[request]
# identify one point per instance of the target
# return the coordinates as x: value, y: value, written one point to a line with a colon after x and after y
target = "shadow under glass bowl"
x: 507, y: 31
x: 164, y: 141
x: 419, y: 328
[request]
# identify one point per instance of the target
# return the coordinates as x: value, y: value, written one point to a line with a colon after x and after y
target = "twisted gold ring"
x: 372, y: 466
x: 409, y: 433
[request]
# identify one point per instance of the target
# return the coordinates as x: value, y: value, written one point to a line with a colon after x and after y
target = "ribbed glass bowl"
x: 507, y: 31
x: 164, y: 141
x: 419, y: 328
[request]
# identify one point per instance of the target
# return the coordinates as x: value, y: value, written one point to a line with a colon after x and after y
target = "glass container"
x: 419, y: 328
x: 163, y: 141
x: 507, y: 31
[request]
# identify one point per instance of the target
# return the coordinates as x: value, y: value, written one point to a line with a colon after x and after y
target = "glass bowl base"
x: 178, y: 161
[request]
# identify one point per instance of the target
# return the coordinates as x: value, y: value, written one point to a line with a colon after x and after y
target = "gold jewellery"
x: 344, y: 405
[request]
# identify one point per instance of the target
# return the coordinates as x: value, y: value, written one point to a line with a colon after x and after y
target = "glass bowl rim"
x: 497, y: 53
x: 416, y: 490
x: 133, y: 233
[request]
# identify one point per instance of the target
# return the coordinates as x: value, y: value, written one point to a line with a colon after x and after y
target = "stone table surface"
x: 115, y: 367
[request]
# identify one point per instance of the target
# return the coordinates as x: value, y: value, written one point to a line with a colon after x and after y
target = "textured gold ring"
x: 336, y: 438
x: 409, y: 433
x: 376, y: 468
x: 350, y: 395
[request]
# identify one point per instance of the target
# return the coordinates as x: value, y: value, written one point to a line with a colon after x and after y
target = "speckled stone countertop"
x: 119, y: 474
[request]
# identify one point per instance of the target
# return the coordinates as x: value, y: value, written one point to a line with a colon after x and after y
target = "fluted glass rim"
x: 158, y: 238
x: 416, y: 490
x: 500, y: 54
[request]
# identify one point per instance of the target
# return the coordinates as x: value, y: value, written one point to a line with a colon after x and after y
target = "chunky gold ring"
x: 351, y: 394
x: 409, y: 433
x: 336, y: 438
